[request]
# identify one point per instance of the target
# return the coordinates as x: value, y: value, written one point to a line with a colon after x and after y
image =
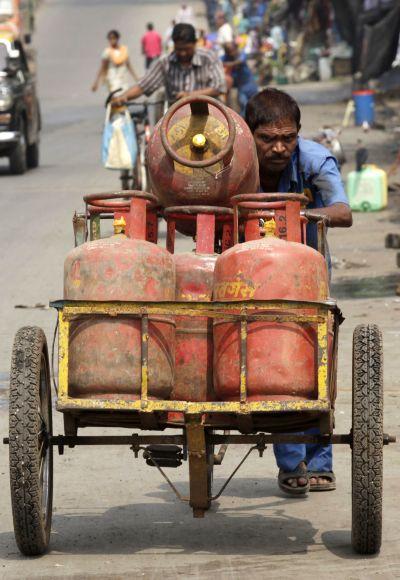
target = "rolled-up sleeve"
x: 153, y: 79
x: 216, y: 75
x: 329, y: 183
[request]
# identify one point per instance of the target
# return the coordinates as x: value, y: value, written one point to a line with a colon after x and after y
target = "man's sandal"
x: 283, y: 476
x: 329, y: 485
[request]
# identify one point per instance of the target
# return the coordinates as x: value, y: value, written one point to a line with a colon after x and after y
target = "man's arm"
x: 101, y: 75
x: 232, y: 63
x: 129, y: 95
x: 336, y: 206
x: 151, y: 81
x: 132, y: 70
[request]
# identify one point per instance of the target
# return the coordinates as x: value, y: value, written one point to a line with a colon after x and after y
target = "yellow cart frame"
x: 242, y: 312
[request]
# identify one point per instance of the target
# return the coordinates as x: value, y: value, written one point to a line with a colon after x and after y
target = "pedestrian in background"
x: 115, y: 65
x: 151, y: 45
x: 203, y: 41
x: 168, y: 42
x: 185, y: 15
x: 224, y: 32
x: 243, y: 79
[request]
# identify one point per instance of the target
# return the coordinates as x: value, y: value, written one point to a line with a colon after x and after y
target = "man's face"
x: 275, y: 145
x: 219, y: 20
x: 184, y: 51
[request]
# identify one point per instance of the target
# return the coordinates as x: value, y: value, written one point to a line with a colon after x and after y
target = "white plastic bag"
x: 119, y: 141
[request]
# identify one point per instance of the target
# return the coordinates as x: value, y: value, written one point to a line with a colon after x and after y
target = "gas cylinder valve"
x: 268, y: 227
x: 199, y: 141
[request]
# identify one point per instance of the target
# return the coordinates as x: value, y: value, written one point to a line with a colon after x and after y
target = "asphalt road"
x: 114, y: 517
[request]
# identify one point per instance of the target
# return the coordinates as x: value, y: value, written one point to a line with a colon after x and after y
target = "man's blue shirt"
x: 314, y: 171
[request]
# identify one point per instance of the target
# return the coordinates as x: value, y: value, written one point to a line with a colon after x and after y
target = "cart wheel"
x: 367, y: 448
x: 31, y: 458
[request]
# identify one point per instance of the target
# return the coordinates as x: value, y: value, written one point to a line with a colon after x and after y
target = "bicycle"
x: 137, y: 179
x: 139, y: 113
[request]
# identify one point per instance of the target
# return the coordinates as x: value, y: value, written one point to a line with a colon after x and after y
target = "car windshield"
x: 6, y: 8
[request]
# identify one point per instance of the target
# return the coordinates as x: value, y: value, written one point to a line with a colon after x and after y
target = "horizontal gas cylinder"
x: 281, y: 356
x: 105, y: 352
x: 201, y: 153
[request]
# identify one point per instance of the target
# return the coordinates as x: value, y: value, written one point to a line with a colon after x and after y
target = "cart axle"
x: 340, y: 439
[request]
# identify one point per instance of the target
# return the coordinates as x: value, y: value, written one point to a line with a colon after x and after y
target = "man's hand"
x: 129, y: 95
x: 338, y: 215
x: 118, y: 100
x: 182, y: 94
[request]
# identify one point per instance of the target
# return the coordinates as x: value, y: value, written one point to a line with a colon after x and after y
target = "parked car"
x: 19, y: 109
x: 17, y: 19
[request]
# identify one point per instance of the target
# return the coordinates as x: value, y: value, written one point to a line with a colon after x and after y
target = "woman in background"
x: 115, y: 65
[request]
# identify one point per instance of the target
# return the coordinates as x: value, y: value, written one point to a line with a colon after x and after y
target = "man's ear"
x: 298, y: 130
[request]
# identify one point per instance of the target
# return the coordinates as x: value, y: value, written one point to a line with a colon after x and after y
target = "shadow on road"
x: 265, y: 528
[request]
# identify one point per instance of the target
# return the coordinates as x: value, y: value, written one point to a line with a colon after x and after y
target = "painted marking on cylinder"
x: 235, y: 289
x: 195, y: 297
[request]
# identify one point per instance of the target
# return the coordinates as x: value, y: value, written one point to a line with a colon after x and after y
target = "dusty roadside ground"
x: 115, y: 518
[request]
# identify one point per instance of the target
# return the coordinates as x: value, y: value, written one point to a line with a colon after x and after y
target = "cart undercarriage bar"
x: 135, y: 440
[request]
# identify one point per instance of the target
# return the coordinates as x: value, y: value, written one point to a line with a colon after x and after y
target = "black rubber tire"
x: 18, y: 157
x: 367, y: 446
x: 32, y: 156
x: 31, y: 459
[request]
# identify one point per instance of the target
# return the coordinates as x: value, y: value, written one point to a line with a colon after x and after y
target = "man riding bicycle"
x: 186, y: 71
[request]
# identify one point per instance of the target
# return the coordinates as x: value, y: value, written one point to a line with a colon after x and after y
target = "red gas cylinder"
x: 194, y: 283
x: 194, y: 346
x: 281, y: 357
x: 201, y: 152
x: 105, y: 352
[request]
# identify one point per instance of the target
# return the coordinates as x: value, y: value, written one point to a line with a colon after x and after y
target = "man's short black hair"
x: 184, y: 33
x: 150, y: 26
x: 271, y: 106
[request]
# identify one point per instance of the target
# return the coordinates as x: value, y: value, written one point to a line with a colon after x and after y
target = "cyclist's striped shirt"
x: 205, y: 71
